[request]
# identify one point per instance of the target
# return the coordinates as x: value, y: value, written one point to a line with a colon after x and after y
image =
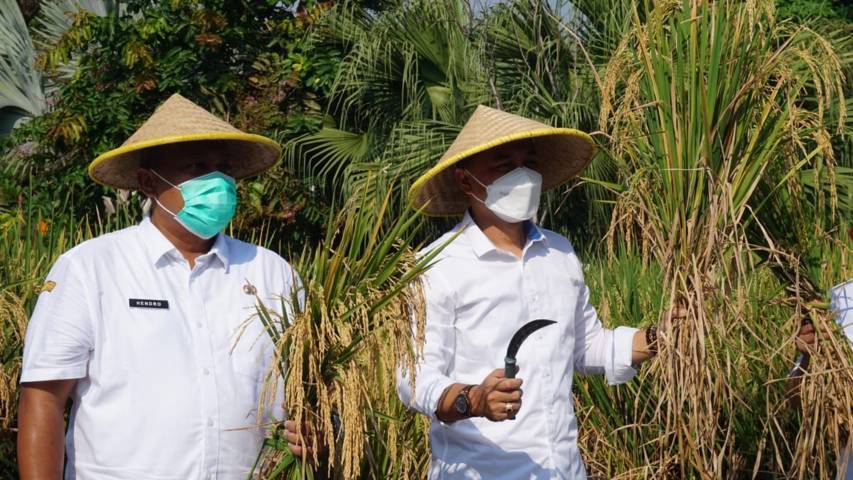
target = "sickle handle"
x: 510, y: 367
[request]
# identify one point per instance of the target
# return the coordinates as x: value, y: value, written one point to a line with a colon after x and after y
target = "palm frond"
x: 52, y: 22
x: 328, y: 153
x: 20, y: 82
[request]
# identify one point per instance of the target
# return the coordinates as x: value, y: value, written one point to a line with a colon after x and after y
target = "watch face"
x: 461, y: 404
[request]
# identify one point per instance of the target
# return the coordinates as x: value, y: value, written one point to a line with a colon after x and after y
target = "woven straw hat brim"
x: 563, y: 153
x: 117, y: 168
x: 179, y: 120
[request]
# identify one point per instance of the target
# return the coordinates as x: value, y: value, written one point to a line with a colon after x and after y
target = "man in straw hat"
x: 149, y: 330
x: 500, y: 272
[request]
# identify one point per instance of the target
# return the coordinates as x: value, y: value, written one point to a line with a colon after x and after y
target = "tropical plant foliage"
x: 247, y: 63
x: 724, y: 182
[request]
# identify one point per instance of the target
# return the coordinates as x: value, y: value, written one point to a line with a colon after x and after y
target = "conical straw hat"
x: 563, y: 153
x: 180, y: 120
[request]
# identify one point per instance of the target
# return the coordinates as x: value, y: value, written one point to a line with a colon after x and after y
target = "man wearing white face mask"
x: 501, y: 272
x: 149, y: 331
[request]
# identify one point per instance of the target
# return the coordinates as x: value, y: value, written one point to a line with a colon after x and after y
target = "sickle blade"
x: 518, y: 338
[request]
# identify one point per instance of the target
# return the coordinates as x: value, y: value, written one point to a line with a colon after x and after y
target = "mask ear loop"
x: 161, y: 178
x: 157, y: 200
x: 481, y: 184
x: 475, y: 178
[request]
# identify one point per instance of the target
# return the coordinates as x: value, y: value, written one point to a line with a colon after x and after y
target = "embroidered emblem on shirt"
x: 143, y: 303
x: 47, y: 287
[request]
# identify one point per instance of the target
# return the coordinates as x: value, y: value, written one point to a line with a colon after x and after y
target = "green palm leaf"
x: 20, y: 82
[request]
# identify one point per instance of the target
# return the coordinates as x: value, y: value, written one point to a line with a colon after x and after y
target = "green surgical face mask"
x: 209, y: 203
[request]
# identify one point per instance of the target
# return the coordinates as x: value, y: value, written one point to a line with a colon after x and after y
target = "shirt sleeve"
x: 599, y: 350
x: 841, y: 302
x: 439, y: 345
x: 60, y: 336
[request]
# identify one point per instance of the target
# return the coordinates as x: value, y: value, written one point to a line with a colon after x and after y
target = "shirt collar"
x: 221, y: 250
x: 481, y: 244
x: 154, y: 241
x: 159, y: 247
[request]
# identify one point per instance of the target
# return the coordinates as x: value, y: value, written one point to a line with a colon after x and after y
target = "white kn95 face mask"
x: 514, y: 197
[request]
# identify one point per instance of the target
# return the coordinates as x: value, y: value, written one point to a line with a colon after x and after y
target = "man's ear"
x: 147, y: 183
x: 462, y: 180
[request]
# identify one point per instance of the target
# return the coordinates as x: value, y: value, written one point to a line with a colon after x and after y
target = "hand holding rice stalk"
x: 702, y: 102
x: 360, y: 288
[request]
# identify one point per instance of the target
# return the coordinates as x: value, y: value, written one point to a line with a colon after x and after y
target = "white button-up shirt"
x: 170, y: 360
x: 477, y: 296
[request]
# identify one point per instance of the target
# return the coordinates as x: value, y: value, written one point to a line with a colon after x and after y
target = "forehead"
x: 504, y: 152
x: 179, y: 155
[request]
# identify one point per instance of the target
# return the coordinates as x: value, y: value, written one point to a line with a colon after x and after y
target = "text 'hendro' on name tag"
x: 143, y: 303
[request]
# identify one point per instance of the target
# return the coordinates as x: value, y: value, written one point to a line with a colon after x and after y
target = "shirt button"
x: 210, y: 422
x: 206, y: 371
x: 198, y: 324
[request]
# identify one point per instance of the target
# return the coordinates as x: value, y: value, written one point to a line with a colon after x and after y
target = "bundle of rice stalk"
x: 13, y: 324
x: 822, y: 385
x: 620, y: 430
x: 338, y: 351
x: 714, y: 107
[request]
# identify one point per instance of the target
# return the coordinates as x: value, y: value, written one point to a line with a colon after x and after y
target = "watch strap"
x: 652, y: 338
x: 464, y: 391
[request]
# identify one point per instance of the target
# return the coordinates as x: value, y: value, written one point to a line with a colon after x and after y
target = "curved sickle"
x: 510, y: 367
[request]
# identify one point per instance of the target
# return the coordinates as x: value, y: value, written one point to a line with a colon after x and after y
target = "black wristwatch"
x: 462, y: 403
x: 652, y: 338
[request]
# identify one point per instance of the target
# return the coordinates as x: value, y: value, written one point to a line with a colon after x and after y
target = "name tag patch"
x: 143, y: 303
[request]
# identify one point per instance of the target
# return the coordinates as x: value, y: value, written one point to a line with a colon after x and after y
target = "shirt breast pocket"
x: 564, y: 295
x: 133, y: 327
x: 249, y: 360
x: 250, y: 354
